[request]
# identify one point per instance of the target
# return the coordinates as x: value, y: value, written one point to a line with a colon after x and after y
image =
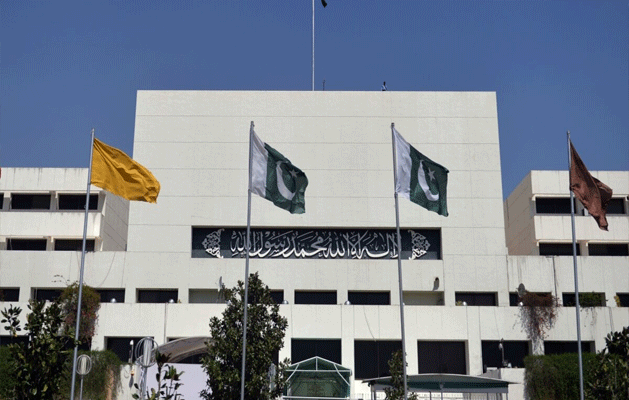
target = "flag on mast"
x: 420, y: 179
x: 275, y: 178
x: 592, y: 193
x: 117, y: 173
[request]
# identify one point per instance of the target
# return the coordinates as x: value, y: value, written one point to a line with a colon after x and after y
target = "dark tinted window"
x: 476, y: 298
x: 586, y: 299
x: 9, y: 294
x: 157, y: 295
x: 557, y: 249
x: 1, y: 200
x: 370, y: 298
x: 441, y: 357
x: 371, y: 357
x: 552, y: 205
x: 303, y: 349
x: 318, y: 297
x: 30, y: 202
x: 73, y: 245
x: 514, y: 353
x: 608, y: 249
x: 107, y: 295
x: 121, y: 346
x: 623, y: 299
x: 277, y: 296
x: 514, y: 299
x: 552, y: 347
x: 616, y: 206
x: 26, y: 244
x: 47, y: 294
x: 10, y: 339
x: 77, y: 201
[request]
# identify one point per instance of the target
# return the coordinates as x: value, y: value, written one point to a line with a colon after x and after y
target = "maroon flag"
x: 592, y: 193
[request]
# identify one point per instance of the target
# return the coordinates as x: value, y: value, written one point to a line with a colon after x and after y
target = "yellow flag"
x: 117, y: 173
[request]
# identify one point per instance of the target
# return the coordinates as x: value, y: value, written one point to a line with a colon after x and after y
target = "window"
x: 26, y: 244
x: 315, y: 297
x: 370, y: 298
x: 1, y: 200
x: 10, y: 339
x: 303, y: 349
x: 423, y: 298
x: 556, y: 347
x: 9, y: 294
x: 111, y: 295
x: 623, y: 299
x: 122, y: 347
x: 74, y: 245
x: 277, y: 296
x: 476, y: 298
x: 557, y: 249
x: 514, y: 298
x: 586, y: 299
x: 157, y: 295
x: 436, y: 357
x: 608, y: 249
x: 514, y: 353
x: 616, y: 206
x: 46, y: 294
x: 552, y: 205
x: 30, y: 201
x: 205, y: 296
x: 77, y: 202
x: 371, y: 357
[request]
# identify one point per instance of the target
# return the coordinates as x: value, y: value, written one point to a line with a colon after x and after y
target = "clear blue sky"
x: 67, y: 66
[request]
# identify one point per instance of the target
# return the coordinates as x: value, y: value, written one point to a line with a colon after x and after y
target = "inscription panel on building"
x: 306, y: 243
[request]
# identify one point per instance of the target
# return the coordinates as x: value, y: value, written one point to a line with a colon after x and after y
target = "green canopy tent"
x: 317, y: 378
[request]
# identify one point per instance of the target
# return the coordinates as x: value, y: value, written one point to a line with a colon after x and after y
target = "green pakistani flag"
x: 275, y: 178
x: 420, y: 179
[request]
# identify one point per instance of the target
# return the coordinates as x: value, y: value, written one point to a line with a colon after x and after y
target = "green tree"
x: 610, y: 378
x: 39, y: 365
x: 90, y: 304
x: 396, y: 390
x: 265, y: 337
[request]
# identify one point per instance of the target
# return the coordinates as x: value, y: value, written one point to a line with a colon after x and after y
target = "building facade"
x: 334, y: 268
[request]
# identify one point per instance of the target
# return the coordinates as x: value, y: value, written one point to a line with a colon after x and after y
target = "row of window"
x: 66, y: 202
x: 561, y: 205
x: 41, y: 244
x: 371, y: 356
x: 587, y: 299
x: 594, y: 249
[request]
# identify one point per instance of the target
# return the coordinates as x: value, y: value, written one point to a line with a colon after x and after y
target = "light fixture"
x: 465, y: 303
x: 171, y: 301
x: 113, y: 300
x: 284, y: 301
x: 347, y: 303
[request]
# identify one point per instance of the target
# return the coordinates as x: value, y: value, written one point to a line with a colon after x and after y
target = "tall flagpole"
x: 246, y: 302
x: 78, y: 309
x: 576, y: 276
x: 313, y: 31
x: 399, y: 256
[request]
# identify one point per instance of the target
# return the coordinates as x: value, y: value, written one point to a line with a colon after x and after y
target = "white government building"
x: 159, y: 267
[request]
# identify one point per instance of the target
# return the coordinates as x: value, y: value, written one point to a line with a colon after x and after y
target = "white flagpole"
x: 78, y: 310
x: 399, y: 257
x: 248, y: 248
x: 313, y: 32
x: 576, y: 277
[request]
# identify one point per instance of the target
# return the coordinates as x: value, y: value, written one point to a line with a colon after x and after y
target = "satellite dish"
x: 521, y: 290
